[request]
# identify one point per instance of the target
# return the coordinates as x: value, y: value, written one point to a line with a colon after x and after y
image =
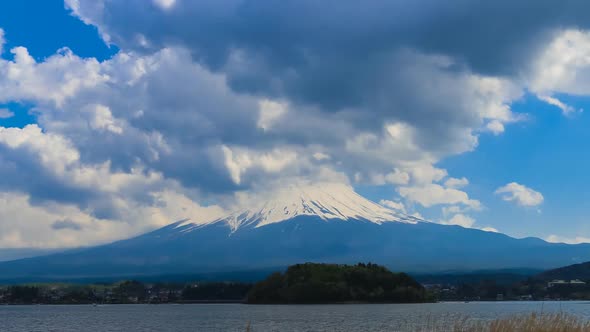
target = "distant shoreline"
x: 290, y: 304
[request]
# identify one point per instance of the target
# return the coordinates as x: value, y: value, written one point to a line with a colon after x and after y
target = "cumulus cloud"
x: 224, y: 135
x: 399, y: 206
x: 24, y: 79
x: 102, y: 119
x: 236, y: 96
x: 399, y: 83
x: 460, y: 220
x: 563, y: 66
x: 26, y: 225
x: 66, y: 187
x: 520, y: 194
x: 435, y: 194
x: 456, y: 183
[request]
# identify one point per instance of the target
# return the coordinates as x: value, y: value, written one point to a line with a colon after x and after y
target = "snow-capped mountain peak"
x: 326, y: 201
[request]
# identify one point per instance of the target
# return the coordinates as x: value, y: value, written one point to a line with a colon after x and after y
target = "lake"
x: 284, y: 318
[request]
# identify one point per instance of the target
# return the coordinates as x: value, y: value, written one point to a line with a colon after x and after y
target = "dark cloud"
x: 21, y: 170
x: 331, y: 53
x: 189, y: 81
x: 175, y: 116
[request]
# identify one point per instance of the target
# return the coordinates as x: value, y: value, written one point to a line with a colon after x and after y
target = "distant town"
x: 126, y: 292
x: 530, y: 289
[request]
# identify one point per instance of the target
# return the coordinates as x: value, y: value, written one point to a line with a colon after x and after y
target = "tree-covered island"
x: 331, y: 283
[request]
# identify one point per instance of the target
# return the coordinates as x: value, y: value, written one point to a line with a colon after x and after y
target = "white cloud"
x: 570, y: 240
x: 399, y: 206
x: 495, y: 107
x: 495, y: 127
x: 426, y: 173
x: 6, y: 113
x: 397, y: 177
x: 460, y: 220
x: 565, y: 109
x: 102, y: 119
x: 435, y: 194
x: 490, y: 229
x: 234, y: 167
x: 25, y: 79
x: 239, y: 161
x: 466, y: 221
x: 319, y: 156
x: 520, y: 194
x: 456, y: 183
x: 25, y: 225
x: 270, y: 111
x: 118, y: 207
x: 563, y: 67
x: 277, y: 160
x: 453, y: 209
x: 55, y: 153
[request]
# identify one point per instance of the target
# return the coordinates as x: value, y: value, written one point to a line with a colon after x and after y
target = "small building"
x: 558, y: 282
x: 527, y: 297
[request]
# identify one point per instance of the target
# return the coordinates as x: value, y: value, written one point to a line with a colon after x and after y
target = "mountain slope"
x: 313, y: 227
x: 327, y: 201
x: 10, y: 254
x: 576, y: 271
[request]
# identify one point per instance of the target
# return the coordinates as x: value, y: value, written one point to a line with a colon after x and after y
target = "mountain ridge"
x: 300, y: 235
x: 326, y: 201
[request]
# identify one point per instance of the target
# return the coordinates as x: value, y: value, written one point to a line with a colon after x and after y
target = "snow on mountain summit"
x: 326, y: 201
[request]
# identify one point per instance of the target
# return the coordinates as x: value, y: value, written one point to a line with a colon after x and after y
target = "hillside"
x: 576, y: 271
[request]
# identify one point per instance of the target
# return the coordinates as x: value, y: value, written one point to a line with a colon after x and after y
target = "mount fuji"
x: 325, y: 223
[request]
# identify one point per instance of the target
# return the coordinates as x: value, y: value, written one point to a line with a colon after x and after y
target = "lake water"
x: 235, y: 317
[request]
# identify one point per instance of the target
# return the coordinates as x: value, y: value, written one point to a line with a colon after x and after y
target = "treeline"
x: 531, y: 289
x: 305, y: 283
x: 124, y: 292
x: 331, y: 283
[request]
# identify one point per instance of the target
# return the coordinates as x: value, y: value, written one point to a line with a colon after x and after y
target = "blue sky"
x: 170, y: 109
x: 545, y: 152
x: 53, y: 28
